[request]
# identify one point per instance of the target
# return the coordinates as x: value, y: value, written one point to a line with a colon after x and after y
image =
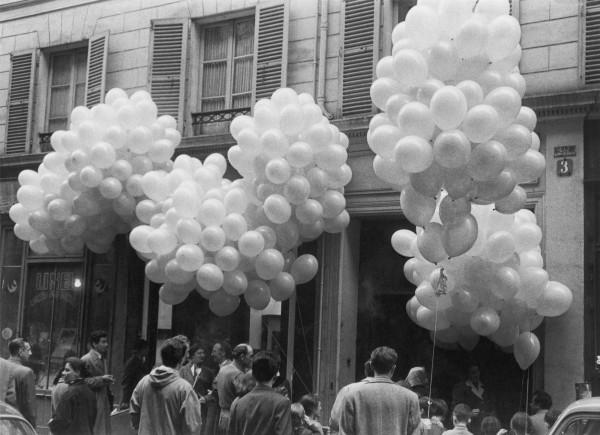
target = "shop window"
x: 53, y: 305
x: 226, y: 73
x: 10, y: 279
x: 67, y: 87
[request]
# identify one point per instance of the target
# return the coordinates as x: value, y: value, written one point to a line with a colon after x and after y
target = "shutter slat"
x: 167, y: 67
x: 592, y: 41
x: 96, y: 70
x: 271, y: 45
x: 359, y: 28
x: 20, y: 103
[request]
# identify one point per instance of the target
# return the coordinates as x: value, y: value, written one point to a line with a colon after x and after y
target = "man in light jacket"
x: 24, y: 379
x: 163, y: 403
x: 378, y: 405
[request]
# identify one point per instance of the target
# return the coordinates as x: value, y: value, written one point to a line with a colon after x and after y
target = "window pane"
x: 215, y: 42
x: 242, y: 75
x: 403, y: 8
x: 79, y: 95
x: 51, y: 316
x: 12, y: 251
x: 213, y: 80
x: 80, y: 67
x: 213, y: 104
x: 53, y: 125
x: 244, y: 37
x: 61, y: 69
x: 59, y: 101
x: 9, y: 301
x: 242, y: 100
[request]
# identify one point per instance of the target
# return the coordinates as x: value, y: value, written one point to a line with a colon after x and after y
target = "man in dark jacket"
x: 199, y: 376
x: 24, y: 379
x: 135, y: 369
x: 162, y: 402
x: 262, y: 411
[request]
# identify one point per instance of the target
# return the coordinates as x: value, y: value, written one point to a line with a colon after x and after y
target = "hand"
x: 109, y: 379
x: 202, y: 399
x: 475, y: 412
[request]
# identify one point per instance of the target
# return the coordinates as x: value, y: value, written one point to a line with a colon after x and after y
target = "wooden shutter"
x: 20, y: 102
x: 271, y: 34
x: 359, y: 54
x: 592, y: 41
x: 95, y: 80
x: 168, y: 53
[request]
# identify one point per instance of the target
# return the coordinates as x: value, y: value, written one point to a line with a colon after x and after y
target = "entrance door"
x: 52, y: 316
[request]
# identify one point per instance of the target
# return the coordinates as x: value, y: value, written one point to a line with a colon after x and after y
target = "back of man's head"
x: 172, y: 352
x: 15, y: 346
x: 383, y: 360
x: 461, y: 413
x: 542, y: 399
x: 241, y: 350
x: 264, y: 366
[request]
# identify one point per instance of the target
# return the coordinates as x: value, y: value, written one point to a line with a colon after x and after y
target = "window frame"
x: 73, y: 53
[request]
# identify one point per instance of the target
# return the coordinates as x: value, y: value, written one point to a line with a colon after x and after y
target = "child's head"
x: 490, y: 425
x: 520, y: 423
x: 461, y: 414
x: 297, y: 411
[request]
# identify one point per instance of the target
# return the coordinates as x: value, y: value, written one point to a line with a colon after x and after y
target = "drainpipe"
x: 322, y: 67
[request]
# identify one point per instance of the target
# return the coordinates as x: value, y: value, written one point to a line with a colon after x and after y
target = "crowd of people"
x: 242, y: 393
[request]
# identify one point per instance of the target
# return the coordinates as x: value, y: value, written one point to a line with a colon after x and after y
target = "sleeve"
x: 334, y: 418
x: 190, y: 411
x: 96, y: 383
x: 231, y: 427
x: 347, y: 417
x: 414, y: 415
x: 62, y: 417
x: 135, y: 405
x: 283, y: 418
x: 26, y: 396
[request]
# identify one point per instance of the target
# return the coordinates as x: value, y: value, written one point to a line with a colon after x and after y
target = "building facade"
x: 206, y: 61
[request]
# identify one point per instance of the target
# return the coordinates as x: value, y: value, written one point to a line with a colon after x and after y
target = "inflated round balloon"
x: 282, y: 286
x: 410, y: 67
x: 431, y: 320
x: 485, y: 321
x: 422, y: 25
x: 416, y: 119
x: 486, y: 161
x: 172, y: 294
x: 258, y: 295
x: 413, y: 154
x: 429, y: 182
x: 418, y: 209
x: 269, y: 263
x: 448, y: 107
x: 210, y: 277
x: 402, y: 242
x: 526, y: 349
x: 459, y: 235
x: 304, y: 268
x: 429, y: 243
x: 451, y: 149
x: 251, y: 243
x: 555, y: 300
x: 471, y: 38
x: 504, y: 35
x: 223, y: 304
x: 480, y: 123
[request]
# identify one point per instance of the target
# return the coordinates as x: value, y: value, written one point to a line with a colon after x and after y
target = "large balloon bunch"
x: 86, y: 190
x: 452, y: 116
x: 497, y: 289
x: 296, y: 162
x: 200, y: 232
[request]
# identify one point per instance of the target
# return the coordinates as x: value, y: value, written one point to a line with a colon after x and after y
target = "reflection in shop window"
x: 11, y: 254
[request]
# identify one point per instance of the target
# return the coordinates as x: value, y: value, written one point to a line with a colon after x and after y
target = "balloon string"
x: 432, y: 358
x: 526, y: 398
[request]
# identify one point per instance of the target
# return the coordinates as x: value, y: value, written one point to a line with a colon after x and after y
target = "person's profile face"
x: 69, y: 374
x: 102, y: 345
x: 217, y: 353
x: 25, y: 351
x: 474, y: 374
x: 198, y: 357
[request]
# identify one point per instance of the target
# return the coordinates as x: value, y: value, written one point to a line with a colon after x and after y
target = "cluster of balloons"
x: 203, y: 232
x: 452, y: 116
x: 454, y: 138
x: 295, y: 161
x: 497, y: 289
x: 86, y: 190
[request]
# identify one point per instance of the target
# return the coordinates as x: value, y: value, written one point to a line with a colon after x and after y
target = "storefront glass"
x: 10, y: 289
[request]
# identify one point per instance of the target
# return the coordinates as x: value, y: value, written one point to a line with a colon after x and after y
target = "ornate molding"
x: 573, y: 104
x: 373, y: 202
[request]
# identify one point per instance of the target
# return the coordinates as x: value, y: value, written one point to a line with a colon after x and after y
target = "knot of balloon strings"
x: 441, y: 287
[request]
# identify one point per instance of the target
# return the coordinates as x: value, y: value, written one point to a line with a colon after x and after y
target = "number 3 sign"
x: 564, y: 167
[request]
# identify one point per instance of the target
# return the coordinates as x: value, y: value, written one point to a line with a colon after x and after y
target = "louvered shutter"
x: 359, y: 54
x: 271, y: 30
x: 20, y: 102
x: 592, y: 41
x: 168, y: 51
x: 95, y: 79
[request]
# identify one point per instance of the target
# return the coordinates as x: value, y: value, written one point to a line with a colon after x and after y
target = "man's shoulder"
x: 374, y: 387
x: 22, y: 371
x: 88, y: 357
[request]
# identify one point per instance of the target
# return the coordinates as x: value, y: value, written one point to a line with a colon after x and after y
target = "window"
x: 10, y: 288
x: 227, y: 58
x: 580, y: 425
x: 67, y: 87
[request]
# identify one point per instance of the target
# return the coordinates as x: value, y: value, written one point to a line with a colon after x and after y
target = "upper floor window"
x: 67, y: 87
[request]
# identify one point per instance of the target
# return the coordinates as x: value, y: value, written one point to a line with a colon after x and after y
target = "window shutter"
x: 592, y: 41
x: 20, y: 102
x: 95, y: 81
x: 271, y: 34
x: 359, y: 54
x: 168, y: 49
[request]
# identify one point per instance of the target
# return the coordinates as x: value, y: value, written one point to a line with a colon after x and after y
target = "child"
x: 432, y: 415
x: 298, y: 417
x: 461, y: 417
x: 520, y: 424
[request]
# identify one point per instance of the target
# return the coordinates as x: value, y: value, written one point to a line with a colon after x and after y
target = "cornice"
x: 572, y: 104
x: 373, y: 202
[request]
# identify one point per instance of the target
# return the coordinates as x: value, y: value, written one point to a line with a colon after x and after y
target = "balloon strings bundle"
x: 526, y: 398
x: 433, y: 350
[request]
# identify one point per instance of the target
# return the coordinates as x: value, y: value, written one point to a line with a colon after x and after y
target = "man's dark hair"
x: 140, y: 344
x: 264, y: 366
x: 172, y: 352
x: 542, y: 399
x: 226, y: 347
x: 15, y: 346
x: 310, y: 404
x: 195, y: 348
x: 95, y: 336
x: 462, y: 413
x: 241, y: 350
x: 77, y: 365
x: 383, y: 359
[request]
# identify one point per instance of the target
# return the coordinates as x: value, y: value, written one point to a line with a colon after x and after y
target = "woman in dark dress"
x: 75, y: 411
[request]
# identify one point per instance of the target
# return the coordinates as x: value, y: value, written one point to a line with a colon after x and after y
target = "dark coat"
x: 96, y: 369
x: 135, y: 369
x: 202, y: 382
x: 261, y: 412
x: 75, y: 412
